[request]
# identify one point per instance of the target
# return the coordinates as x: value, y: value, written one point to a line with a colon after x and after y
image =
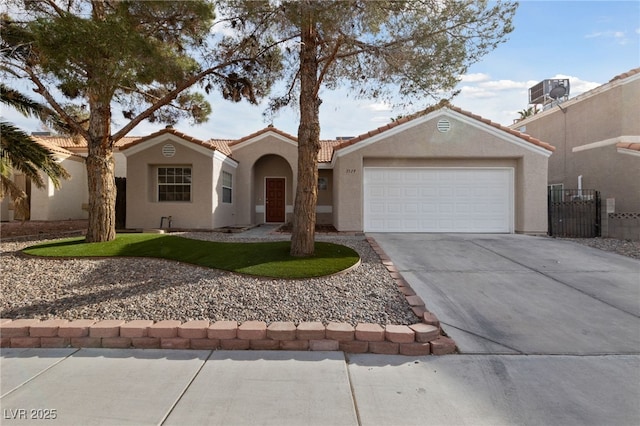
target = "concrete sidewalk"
x: 152, y: 387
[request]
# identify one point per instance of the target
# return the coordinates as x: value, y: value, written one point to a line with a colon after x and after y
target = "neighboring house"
x: 597, y: 140
x: 70, y: 201
x: 442, y: 170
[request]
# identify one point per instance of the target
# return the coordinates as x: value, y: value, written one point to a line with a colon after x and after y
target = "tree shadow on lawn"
x: 60, y: 307
x: 266, y: 259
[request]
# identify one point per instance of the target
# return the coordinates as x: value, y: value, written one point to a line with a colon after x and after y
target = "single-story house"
x: 442, y: 170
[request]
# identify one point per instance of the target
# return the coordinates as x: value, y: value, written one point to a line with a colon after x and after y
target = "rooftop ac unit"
x: 549, y: 90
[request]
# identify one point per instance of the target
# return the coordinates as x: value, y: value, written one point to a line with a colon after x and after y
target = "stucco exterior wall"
x: 585, y: 132
x: 143, y: 208
x: 224, y: 214
x: 64, y: 203
x: 5, y: 213
x: 250, y: 200
x: 120, y: 164
x: 324, y: 206
x: 420, y: 144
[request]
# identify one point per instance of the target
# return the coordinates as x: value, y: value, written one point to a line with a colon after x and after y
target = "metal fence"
x: 574, y: 213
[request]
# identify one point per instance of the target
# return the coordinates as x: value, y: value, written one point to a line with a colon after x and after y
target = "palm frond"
x: 29, y: 157
x: 30, y: 108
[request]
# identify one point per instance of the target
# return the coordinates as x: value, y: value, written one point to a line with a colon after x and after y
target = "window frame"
x: 555, y: 195
x: 227, y: 189
x: 179, y: 180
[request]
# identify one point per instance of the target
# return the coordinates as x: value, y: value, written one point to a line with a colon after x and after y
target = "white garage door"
x: 438, y: 200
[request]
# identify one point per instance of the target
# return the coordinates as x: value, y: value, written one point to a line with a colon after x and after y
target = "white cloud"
x: 474, y: 77
x: 619, y: 37
x: 475, y: 92
x: 503, y: 85
x: 378, y: 106
x: 577, y: 85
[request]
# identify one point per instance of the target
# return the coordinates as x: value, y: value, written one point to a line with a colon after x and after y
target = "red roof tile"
x: 262, y: 131
x: 625, y: 75
x: 629, y: 146
x: 53, y: 147
x: 79, y: 143
x: 326, y: 150
x: 170, y: 131
x: 221, y: 145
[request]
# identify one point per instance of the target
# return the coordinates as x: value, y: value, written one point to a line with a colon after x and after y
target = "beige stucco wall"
x: 605, y: 116
x: 5, y: 213
x: 418, y: 143
x: 64, y: 203
x: 224, y: 214
x: 143, y: 208
x: 324, y: 207
x: 120, y: 164
x: 267, y: 155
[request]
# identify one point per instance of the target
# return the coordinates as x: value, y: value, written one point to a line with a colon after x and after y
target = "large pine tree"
x: 139, y: 56
x: 392, y: 50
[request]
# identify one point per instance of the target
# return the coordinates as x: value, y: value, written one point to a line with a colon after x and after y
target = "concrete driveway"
x: 516, y: 294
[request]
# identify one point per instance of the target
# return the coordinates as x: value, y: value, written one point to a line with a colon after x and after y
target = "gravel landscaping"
x: 625, y: 248
x: 154, y: 289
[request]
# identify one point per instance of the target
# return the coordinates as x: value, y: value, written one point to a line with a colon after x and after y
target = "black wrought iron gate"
x: 574, y: 213
x: 121, y: 202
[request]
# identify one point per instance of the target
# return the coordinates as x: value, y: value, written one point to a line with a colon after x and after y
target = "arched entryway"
x: 273, y: 184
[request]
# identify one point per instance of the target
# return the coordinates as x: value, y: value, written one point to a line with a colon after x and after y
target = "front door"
x: 275, y: 200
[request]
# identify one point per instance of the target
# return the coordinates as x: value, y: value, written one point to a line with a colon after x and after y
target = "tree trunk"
x: 304, y: 210
x: 101, y: 177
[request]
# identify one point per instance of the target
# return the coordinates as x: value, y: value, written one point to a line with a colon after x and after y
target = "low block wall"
x: 417, y: 339
x: 622, y: 226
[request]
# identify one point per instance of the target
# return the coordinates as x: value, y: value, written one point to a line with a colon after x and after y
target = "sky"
x: 588, y: 42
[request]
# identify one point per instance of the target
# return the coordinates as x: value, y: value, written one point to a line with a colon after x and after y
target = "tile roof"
x: 629, y: 146
x: 327, y: 147
x: 625, y: 74
x: 79, y: 143
x: 324, y: 155
x: 446, y: 105
x: 326, y: 150
x: 262, y: 131
x: 221, y: 145
x: 168, y: 130
x: 513, y: 132
x: 53, y: 147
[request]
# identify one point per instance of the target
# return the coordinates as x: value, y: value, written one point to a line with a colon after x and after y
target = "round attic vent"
x: 444, y: 126
x: 168, y: 150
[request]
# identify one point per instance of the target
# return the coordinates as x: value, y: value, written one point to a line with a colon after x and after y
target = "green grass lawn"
x: 266, y: 259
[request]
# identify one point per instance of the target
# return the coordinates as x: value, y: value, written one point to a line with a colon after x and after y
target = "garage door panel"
x: 438, y: 200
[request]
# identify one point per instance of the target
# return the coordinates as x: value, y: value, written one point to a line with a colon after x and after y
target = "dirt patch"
x: 40, y: 228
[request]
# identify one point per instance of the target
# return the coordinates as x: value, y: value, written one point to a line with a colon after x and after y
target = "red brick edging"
x: 423, y: 338
x: 415, y: 339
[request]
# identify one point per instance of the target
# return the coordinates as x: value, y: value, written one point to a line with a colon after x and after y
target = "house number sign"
x: 351, y: 171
